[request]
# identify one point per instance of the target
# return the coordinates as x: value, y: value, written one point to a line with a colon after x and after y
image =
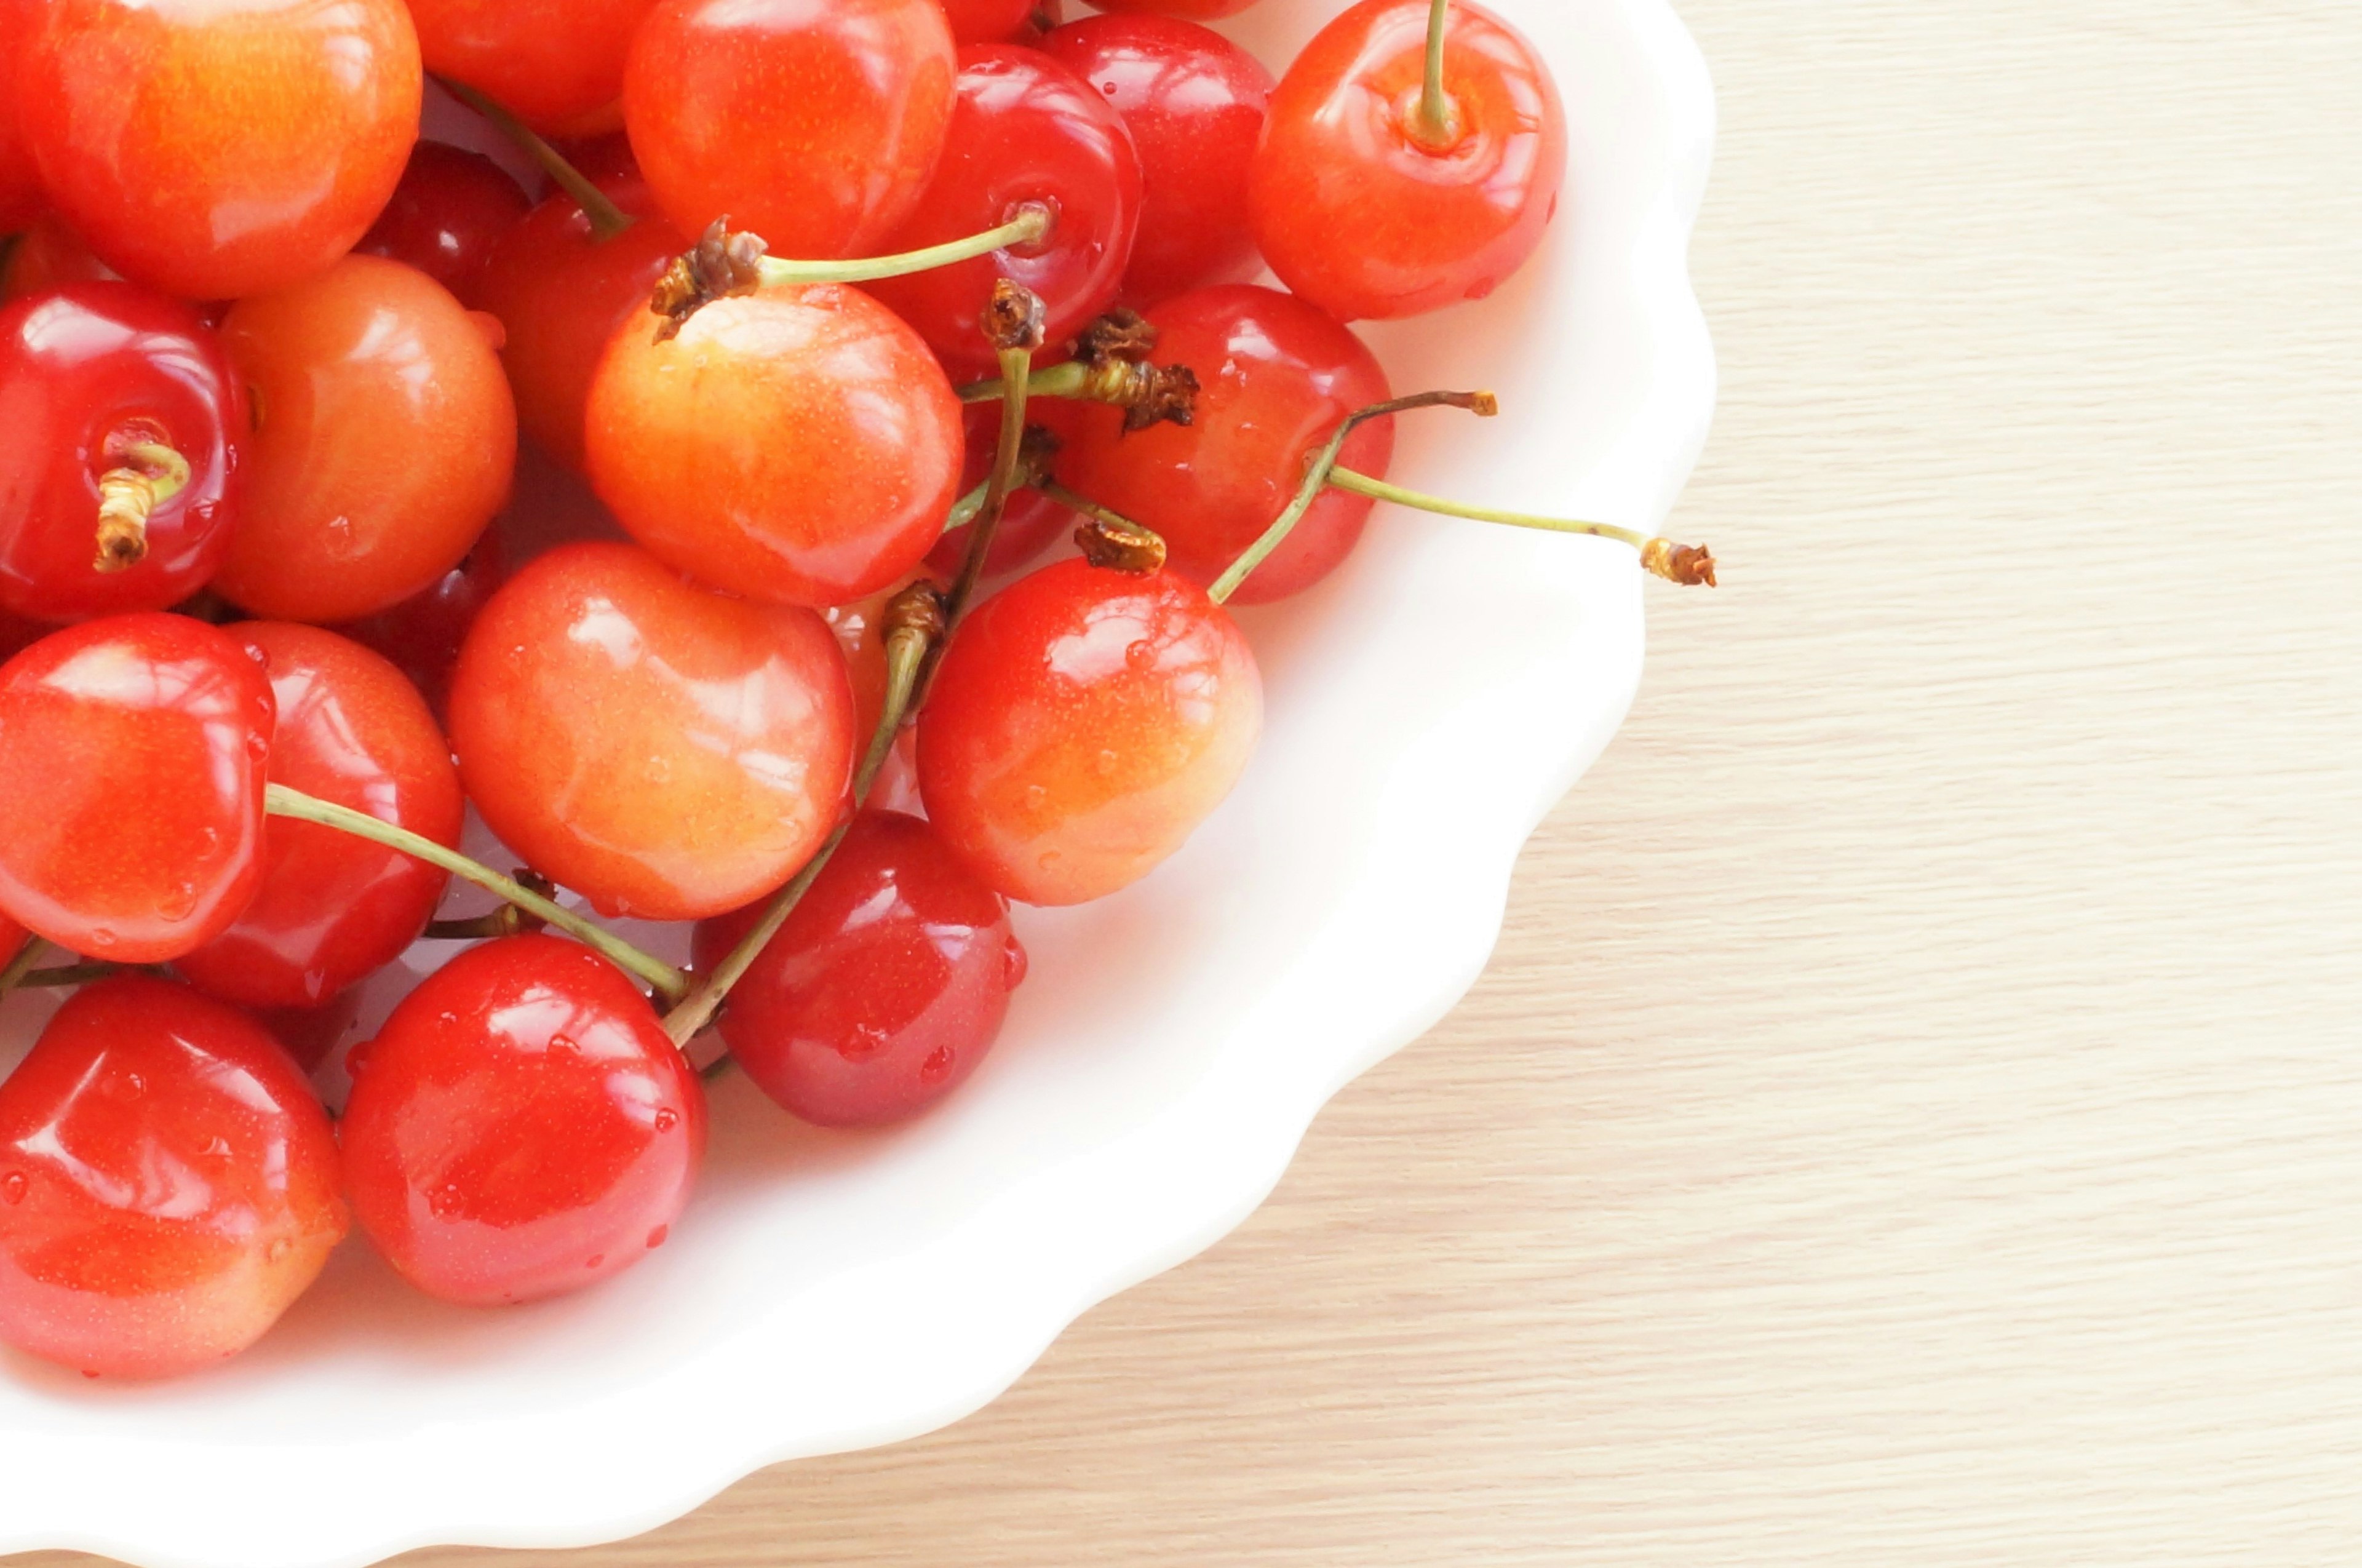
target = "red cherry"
x: 50, y: 256
x: 1033, y: 522
x: 311, y: 1034
x: 521, y: 1127
x: 17, y: 634
x: 333, y: 908
x: 1277, y: 377
x: 884, y: 989
x: 668, y: 752
x: 385, y: 440
x: 553, y: 63
x: 816, y: 127
x: 168, y: 1184
x: 1358, y: 213
x: 20, y: 185
x: 1195, y: 10
x: 1194, y: 103
x: 561, y: 294
x: 88, y: 375
x: 449, y: 212
x: 999, y: 21
x: 1083, y: 723
x: 423, y: 634
x: 798, y: 444
x: 131, y: 774
x: 1026, y: 132
x: 218, y: 151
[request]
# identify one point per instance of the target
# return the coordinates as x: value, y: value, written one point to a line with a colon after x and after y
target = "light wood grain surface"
x: 1915, y: 1115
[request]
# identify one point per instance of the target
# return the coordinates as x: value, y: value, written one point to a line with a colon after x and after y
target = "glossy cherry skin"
x: 1192, y: 10
x: 561, y: 294
x: 20, y: 184
x: 816, y: 127
x: 1356, y: 214
x: 215, y: 149
x: 385, y: 440
x: 450, y: 209
x: 1082, y: 724
x: 1027, y: 132
x: 131, y: 774
x: 553, y: 63
x: 333, y: 908
x: 798, y: 444
x: 87, y: 372
x: 1194, y: 103
x: 521, y: 1127
x: 1277, y: 377
x: 884, y: 989
x: 421, y: 635
x: 668, y: 752
x: 169, y: 1184
x: 50, y: 256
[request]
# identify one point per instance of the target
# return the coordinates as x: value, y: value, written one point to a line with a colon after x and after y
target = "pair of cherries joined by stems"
x: 815, y: 464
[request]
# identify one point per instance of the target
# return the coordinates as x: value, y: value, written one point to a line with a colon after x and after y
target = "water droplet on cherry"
x: 13, y: 1187
x: 667, y: 1119
x: 656, y: 1237
x: 277, y: 1252
x: 1140, y: 655
x: 937, y: 1066
x: 597, y: 1259
x: 564, y: 1045
x: 1015, y: 965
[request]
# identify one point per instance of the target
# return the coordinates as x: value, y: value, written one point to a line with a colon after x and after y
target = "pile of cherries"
x: 266, y: 360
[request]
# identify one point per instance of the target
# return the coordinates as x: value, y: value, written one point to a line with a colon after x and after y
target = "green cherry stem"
x: 70, y: 974
x: 1437, y: 124
x: 1014, y: 323
x: 296, y: 806
x: 607, y: 219
x: 22, y: 965
x: 1691, y: 566
x: 1069, y: 379
x: 1030, y: 226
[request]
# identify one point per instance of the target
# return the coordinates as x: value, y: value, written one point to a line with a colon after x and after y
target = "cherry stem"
x: 68, y: 974
x: 916, y: 619
x: 1071, y: 379
x: 1436, y: 126
x: 1016, y: 369
x: 22, y: 965
x: 281, y: 802
x: 607, y: 219
x: 1324, y: 463
x: 1108, y: 539
x: 146, y: 475
x: 1031, y: 224
x: 1690, y: 566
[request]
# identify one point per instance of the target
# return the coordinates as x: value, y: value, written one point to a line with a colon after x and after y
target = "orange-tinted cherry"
x: 1276, y: 379
x: 1194, y: 103
x: 521, y: 1127
x: 1027, y: 132
x: 169, y: 1184
x: 119, y: 402
x: 385, y: 440
x: 798, y: 443
x: 333, y: 908
x: 48, y: 256
x: 816, y: 127
x: 1083, y: 723
x: 421, y: 635
x: 450, y: 209
x: 216, y: 150
x: 1370, y: 206
x: 556, y: 64
x: 884, y: 989
x: 131, y: 774
x: 666, y: 751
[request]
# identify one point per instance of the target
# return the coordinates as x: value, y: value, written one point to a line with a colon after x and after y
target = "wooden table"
x: 1916, y: 1116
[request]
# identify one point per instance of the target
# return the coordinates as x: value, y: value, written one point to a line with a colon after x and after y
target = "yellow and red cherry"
x: 521, y: 1127
x: 450, y: 209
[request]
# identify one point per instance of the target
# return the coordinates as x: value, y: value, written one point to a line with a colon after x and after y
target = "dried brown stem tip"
x: 1692, y: 566
x: 917, y: 608
x: 1129, y: 549
x: 719, y: 266
x: 147, y: 474
x: 1120, y: 333
x: 1016, y: 319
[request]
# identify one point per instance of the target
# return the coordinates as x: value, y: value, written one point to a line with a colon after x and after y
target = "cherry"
x: 1195, y: 10
x: 666, y: 751
x: 333, y: 908
x: 219, y: 150
x: 561, y: 292
x: 423, y: 634
x: 1194, y: 103
x: 1082, y: 724
x: 521, y: 1127
x: 1277, y: 377
x: 311, y: 1034
x: 1025, y: 132
x: 168, y: 1184
x: 1370, y: 208
x: 131, y: 774
x: 798, y: 444
x: 884, y: 989
x: 385, y: 440
x: 20, y: 185
x: 50, y: 256
x: 816, y: 127
x: 999, y: 21
x: 16, y: 635
x: 556, y: 64
x: 120, y: 479
x: 450, y: 209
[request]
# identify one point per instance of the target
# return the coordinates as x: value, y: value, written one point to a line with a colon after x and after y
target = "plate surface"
x: 1427, y: 707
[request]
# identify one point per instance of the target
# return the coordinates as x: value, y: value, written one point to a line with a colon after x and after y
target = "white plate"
x: 829, y: 1292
